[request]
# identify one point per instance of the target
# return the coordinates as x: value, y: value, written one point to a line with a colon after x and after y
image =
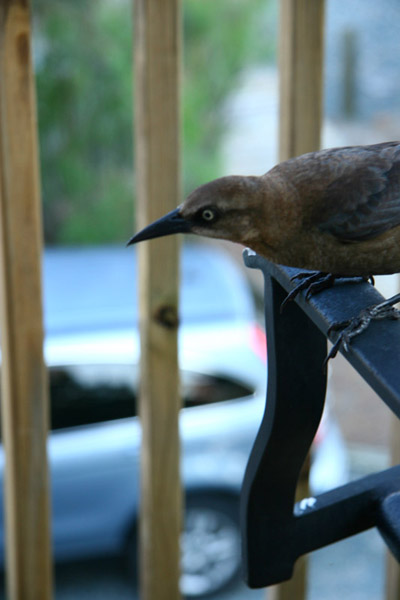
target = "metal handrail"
x: 275, y: 529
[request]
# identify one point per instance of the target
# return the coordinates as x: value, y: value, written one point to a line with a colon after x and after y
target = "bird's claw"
x: 356, y: 325
x: 311, y: 282
x: 314, y: 282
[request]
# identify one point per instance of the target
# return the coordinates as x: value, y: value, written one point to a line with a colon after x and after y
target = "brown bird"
x: 335, y: 211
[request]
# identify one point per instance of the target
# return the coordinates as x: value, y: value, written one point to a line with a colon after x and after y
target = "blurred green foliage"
x: 83, y: 63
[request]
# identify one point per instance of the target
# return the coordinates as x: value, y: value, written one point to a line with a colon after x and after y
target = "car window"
x: 200, y: 388
x: 90, y: 394
x: 84, y: 394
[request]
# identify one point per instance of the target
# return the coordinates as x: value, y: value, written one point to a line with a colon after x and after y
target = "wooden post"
x: 300, y: 69
x: 349, y: 73
x: 392, y: 591
x: 24, y: 378
x: 157, y: 64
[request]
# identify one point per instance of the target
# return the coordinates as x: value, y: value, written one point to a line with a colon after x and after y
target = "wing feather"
x: 362, y: 199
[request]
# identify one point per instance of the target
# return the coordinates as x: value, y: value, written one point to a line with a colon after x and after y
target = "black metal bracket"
x: 276, y: 530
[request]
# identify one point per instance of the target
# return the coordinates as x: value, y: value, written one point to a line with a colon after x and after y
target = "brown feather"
x: 336, y: 210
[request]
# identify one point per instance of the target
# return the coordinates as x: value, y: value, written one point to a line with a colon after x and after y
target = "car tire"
x: 210, y: 542
x: 211, y: 547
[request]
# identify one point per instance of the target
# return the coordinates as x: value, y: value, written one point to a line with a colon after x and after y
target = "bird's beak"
x: 170, y: 223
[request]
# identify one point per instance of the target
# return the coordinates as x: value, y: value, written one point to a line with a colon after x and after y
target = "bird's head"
x: 224, y: 208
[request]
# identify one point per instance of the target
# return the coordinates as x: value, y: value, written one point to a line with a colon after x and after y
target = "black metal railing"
x: 275, y: 529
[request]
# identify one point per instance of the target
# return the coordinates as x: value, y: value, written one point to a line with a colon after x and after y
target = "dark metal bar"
x: 275, y: 531
x: 373, y: 353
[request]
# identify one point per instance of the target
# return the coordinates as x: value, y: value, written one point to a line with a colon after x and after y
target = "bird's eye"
x: 208, y: 214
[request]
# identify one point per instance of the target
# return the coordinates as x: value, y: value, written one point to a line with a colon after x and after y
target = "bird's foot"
x: 315, y: 282
x: 356, y: 325
x: 311, y: 282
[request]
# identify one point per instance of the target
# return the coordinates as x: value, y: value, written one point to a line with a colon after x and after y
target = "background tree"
x: 83, y: 62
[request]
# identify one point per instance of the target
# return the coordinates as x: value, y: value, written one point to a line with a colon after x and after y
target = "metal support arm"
x: 275, y: 530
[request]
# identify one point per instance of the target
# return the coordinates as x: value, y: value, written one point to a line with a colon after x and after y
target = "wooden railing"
x: 157, y: 149
x: 24, y: 378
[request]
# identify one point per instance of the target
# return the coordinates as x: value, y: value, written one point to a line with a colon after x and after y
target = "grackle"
x: 336, y: 211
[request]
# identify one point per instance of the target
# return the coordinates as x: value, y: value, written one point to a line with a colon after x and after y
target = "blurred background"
x: 83, y: 64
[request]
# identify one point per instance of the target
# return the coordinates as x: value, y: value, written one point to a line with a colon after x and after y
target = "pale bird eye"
x: 208, y: 214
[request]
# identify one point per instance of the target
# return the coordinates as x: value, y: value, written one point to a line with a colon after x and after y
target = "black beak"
x: 170, y: 223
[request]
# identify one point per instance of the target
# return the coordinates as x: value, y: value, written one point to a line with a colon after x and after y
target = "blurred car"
x: 92, y: 350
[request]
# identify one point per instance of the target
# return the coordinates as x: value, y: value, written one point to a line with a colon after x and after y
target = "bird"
x: 335, y: 212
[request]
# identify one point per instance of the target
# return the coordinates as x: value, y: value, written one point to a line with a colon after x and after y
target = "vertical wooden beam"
x: 392, y: 591
x: 301, y: 40
x: 300, y: 69
x: 157, y: 135
x: 349, y: 44
x: 24, y: 378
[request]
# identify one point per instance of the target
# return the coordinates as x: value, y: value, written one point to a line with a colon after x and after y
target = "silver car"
x: 92, y: 350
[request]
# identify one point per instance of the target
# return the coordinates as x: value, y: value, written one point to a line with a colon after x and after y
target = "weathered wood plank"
x: 392, y: 591
x: 301, y: 40
x: 24, y: 378
x: 157, y: 65
x: 301, y: 70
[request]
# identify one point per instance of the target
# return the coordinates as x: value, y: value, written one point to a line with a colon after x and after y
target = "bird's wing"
x: 362, y: 198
